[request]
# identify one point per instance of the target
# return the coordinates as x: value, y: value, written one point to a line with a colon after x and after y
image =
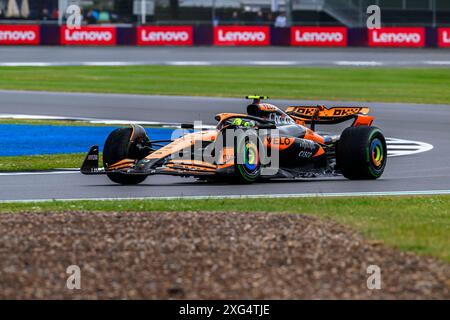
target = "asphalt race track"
x: 110, y: 56
x: 428, y: 171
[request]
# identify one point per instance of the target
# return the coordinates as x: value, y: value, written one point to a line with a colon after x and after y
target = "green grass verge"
x: 416, y: 224
x: 41, y: 162
x: 418, y: 85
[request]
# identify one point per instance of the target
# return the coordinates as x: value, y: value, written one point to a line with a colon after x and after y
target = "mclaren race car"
x: 265, y: 143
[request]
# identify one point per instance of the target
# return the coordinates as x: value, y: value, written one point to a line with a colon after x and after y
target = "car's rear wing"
x: 323, y: 115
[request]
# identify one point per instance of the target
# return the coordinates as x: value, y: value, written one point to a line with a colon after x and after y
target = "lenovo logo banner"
x: 19, y: 34
x: 241, y: 36
x: 397, y: 37
x: 99, y: 36
x: 319, y: 36
x: 165, y: 35
x: 444, y: 37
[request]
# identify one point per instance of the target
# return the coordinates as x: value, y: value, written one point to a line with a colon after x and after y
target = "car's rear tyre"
x: 116, y: 148
x: 247, y: 158
x: 361, y: 153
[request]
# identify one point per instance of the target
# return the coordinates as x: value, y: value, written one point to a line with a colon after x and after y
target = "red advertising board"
x: 19, y: 34
x: 444, y: 37
x: 397, y: 37
x: 165, y: 36
x: 319, y: 36
x: 241, y: 36
x: 89, y: 35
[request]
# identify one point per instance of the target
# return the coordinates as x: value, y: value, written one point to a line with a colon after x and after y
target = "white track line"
x: 359, y: 63
x: 37, y: 173
x: 90, y: 120
x: 31, y: 117
x: 27, y: 64
x: 106, y: 63
x: 255, y: 196
x: 272, y: 63
x: 438, y: 63
x: 400, y: 147
x: 224, y: 62
x: 189, y: 63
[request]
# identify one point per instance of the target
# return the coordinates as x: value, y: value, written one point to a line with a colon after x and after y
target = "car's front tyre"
x: 116, y: 148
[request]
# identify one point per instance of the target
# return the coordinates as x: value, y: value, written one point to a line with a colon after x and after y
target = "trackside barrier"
x: 357, y: 37
x: 280, y: 36
x: 443, y: 36
x: 397, y: 37
x: 165, y: 36
x: 203, y: 35
x: 89, y: 36
x: 319, y: 36
x: 207, y: 35
x: 126, y: 36
x: 19, y: 34
x: 242, y: 36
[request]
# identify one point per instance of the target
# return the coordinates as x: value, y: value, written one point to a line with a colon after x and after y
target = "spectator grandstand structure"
x: 404, y: 23
x: 350, y: 13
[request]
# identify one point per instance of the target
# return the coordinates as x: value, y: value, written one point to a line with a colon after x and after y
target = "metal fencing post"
x: 289, y: 12
x: 213, y: 12
x: 143, y: 11
x: 361, y: 19
x: 60, y: 12
x: 433, y: 3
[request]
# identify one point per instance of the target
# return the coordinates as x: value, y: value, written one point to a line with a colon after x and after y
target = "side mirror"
x: 187, y: 126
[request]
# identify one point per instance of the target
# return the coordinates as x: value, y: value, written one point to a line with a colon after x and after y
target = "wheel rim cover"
x: 251, y: 160
x: 377, y: 153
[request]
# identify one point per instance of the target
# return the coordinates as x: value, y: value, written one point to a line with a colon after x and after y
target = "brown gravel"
x: 203, y: 255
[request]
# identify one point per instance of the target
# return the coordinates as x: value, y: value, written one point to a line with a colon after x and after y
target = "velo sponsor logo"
x: 165, y: 35
x: 89, y: 36
x: 241, y: 36
x: 397, y: 37
x: 444, y: 37
x: 319, y: 36
x: 19, y: 34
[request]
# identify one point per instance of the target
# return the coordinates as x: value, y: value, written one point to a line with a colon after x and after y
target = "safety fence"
x: 231, y: 35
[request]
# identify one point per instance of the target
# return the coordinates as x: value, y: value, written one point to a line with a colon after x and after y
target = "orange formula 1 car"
x: 264, y: 143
